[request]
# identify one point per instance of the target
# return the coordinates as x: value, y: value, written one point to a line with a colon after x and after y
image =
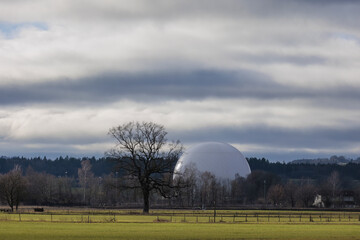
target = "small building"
x: 347, y: 199
x: 318, y: 201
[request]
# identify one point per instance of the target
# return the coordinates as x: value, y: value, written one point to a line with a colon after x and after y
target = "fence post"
x: 19, y: 217
x: 245, y: 217
x: 51, y: 217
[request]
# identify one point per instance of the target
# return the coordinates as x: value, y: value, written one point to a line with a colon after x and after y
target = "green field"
x: 69, y: 231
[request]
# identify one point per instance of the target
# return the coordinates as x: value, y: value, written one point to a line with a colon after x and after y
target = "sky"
x: 275, y: 78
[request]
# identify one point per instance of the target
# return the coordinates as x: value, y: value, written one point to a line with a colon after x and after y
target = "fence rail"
x: 191, y: 217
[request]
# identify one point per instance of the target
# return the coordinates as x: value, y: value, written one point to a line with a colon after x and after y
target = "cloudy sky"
x: 278, y: 79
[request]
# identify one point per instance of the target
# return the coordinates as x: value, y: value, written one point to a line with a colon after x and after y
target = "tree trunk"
x: 292, y: 202
x: 11, y: 204
x: 146, y: 194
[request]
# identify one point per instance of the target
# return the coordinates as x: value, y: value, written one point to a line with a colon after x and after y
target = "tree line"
x: 266, y: 189
x: 61, y: 166
x: 199, y: 190
x: 68, y: 166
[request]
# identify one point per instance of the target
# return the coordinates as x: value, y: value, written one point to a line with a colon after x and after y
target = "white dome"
x: 221, y: 159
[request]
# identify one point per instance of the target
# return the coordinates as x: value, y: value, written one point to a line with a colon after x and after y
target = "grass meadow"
x: 167, y: 224
x: 70, y: 231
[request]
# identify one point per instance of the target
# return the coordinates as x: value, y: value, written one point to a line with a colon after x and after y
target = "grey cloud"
x: 164, y: 11
x: 277, y: 137
x: 170, y: 86
x: 146, y: 86
x: 340, y: 2
x: 79, y: 139
x: 270, y: 58
x: 337, y: 11
x: 286, y: 144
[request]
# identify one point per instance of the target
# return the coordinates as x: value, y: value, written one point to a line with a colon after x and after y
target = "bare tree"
x: 334, y: 183
x: 12, y: 187
x: 63, y: 191
x: 306, y: 194
x: 276, y: 194
x: 110, y: 189
x: 38, y: 187
x: 290, y: 192
x: 258, y: 183
x: 208, y: 189
x: 238, y: 189
x: 330, y: 189
x: 187, y: 185
x: 85, y: 175
x: 191, y: 178
x: 144, y: 153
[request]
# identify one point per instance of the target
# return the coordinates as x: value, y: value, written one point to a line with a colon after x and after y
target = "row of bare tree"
x: 34, y: 188
x: 199, y: 190
x: 263, y: 188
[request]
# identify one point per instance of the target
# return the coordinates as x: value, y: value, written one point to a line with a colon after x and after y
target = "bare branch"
x: 143, y: 152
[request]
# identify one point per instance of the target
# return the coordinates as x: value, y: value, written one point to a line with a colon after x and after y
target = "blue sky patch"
x: 9, y: 29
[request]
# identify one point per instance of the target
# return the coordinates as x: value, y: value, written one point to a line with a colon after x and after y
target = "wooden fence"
x: 178, y: 216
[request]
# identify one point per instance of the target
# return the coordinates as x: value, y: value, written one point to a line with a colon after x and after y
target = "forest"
x: 68, y: 166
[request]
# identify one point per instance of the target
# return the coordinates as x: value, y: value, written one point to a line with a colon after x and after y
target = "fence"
x: 178, y: 216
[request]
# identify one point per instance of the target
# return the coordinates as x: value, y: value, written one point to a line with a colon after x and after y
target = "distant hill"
x: 340, y: 160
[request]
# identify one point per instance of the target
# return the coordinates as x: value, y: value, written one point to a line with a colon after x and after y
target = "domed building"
x: 221, y: 159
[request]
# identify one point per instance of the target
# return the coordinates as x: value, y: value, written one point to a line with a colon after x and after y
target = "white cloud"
x: 79, y: 48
